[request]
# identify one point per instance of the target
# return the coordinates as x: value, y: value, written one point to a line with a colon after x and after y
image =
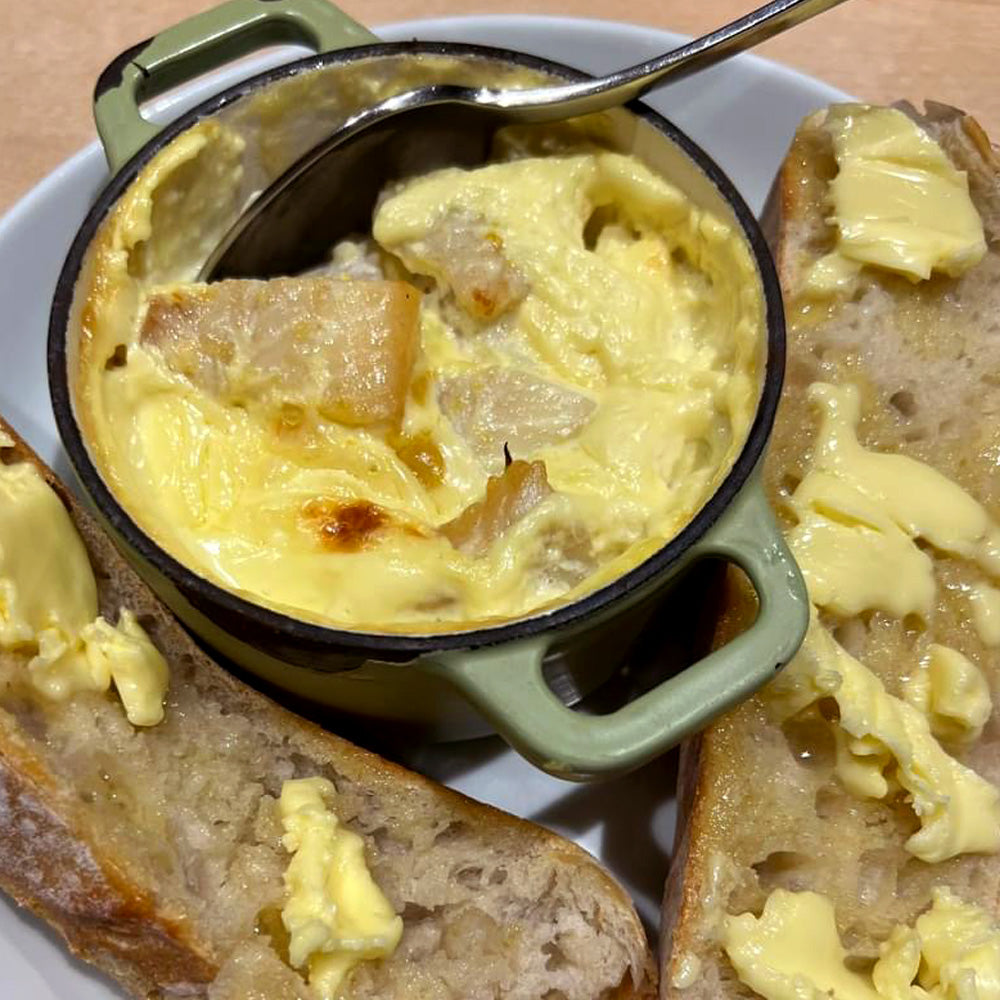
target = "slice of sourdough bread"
x: 760, y: 806
x: 157, y: 855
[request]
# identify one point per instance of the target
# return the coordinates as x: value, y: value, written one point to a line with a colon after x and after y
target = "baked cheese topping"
x: 793, y: 952
x: 335, y: 914
x: 48, y: 606
x: 897, y: 202
x: 577, y: 311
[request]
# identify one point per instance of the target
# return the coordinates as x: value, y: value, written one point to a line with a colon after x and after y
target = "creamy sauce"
x: 617, y: 326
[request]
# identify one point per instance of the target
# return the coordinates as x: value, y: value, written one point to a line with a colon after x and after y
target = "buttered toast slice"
x: 156, y: 848
x: 839, y: 831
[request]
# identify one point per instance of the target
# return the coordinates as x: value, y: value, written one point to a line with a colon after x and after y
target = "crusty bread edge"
x: 701, y: 758
x: 120, y: 931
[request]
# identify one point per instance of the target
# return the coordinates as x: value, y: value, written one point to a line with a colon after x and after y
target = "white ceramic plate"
x: 743, y: 113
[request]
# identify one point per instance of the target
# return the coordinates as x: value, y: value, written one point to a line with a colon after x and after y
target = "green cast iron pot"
x: 502, y: 671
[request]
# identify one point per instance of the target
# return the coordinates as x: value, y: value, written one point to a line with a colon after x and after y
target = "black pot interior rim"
x: 396, y: 645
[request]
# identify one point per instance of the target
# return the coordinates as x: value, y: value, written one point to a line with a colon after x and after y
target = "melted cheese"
x: 48, y: 606
x: 898, y: 203
x: 952, y: 692
x: 860, y: 514
x: 335, y: 914
x: 793, y: 952
x: 959, y: 811
x: 657, y: 326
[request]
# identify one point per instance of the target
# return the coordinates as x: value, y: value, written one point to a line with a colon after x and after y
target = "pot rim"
x: 399, y: 645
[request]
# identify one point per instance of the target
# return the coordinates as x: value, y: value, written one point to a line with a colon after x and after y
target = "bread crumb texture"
x: 769, y: 812
x: 158, y: 853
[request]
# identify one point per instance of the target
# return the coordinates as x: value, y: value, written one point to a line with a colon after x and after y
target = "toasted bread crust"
x: 744, y: 740
x: 51, y: 863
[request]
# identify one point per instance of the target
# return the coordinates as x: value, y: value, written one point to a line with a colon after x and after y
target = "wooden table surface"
x: 879, y: 49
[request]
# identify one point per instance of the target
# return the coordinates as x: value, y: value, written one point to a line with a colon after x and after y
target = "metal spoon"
x: 330, y: 192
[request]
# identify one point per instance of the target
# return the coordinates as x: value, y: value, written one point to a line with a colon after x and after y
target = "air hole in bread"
x: 270, y: 925
x: 498, y: 876
x: 782, y: 870
x: 862, y: 964
x: 829, y: 709
x: 554, y: 995
x: 148, y: 622
x: 118, y: 358
x: 828, y: 802
x: 472, y: 932
x: 877, y: 877
x: 914, y: 880
x: 852, y: 635
x: 904, y: 402
x: 471, y: 877
x: 455, y: 830
x: 810, y: 740
x: 555, y: 957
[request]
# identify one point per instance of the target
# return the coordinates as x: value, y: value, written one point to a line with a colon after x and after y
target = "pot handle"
x: 198, y: 45
x: 506, y: 685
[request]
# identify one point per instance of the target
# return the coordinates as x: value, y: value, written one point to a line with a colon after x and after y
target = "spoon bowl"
x: 330, y: 192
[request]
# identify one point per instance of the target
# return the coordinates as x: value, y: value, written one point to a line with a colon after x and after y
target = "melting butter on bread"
x: 769, y: 813
x: 157, y: 851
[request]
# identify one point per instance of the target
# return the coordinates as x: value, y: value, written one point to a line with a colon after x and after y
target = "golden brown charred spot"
x: 421, y: 455
x: 522, y: 486
x: 345, y: 527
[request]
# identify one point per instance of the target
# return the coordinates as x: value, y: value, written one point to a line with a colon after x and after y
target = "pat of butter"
x: 959, y: 811
x: 985, y: 601
x: 48, y: 606
x: 952, y: 692
x: 860, y: 513
x: 793, y: 952
x: 687, y: 971
x: 335, y: 914
x: 898, y: 202
x: 960, y: 950
x: 46, y: 583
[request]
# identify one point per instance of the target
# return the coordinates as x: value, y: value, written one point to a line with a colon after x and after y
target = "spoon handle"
x: 571, y: 99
